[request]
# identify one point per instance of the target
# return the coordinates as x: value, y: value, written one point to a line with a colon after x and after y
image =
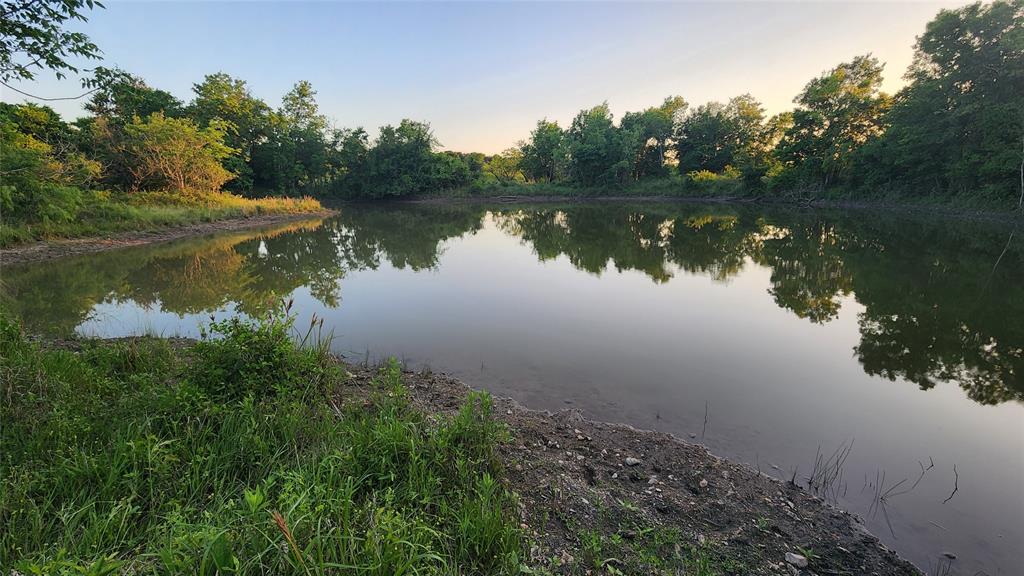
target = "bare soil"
x: 53, y: 249
x: 591, y: 512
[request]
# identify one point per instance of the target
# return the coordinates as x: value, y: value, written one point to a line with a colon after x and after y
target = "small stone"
x: 615, y: 475
x: 652, y: 480
x: 703, y: 483
x: 630, y: 461
x: 796, y: 560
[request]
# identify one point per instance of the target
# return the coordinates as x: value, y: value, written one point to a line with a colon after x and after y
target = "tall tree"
x: 129, y: 96
x: 959, y: 125
x: 651, y: 132
x: 598, y: 151
x: 221, y: 97
x: 544, y: 153
x: 716, y: 135
x: 837, y: 113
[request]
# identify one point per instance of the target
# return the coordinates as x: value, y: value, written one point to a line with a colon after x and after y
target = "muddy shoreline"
x: 578, y: 479
x: 860, y: 206
x: 574, y: 482
x: 53, y: 249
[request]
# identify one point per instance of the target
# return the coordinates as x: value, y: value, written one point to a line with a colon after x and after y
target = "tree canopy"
x: 955, y: 129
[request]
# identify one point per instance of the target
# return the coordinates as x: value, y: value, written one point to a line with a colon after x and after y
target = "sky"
x: 483, y: 73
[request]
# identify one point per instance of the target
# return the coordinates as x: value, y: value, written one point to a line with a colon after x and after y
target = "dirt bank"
x: 592, y: 511
x: 52, y: 249
x: 949, y: 210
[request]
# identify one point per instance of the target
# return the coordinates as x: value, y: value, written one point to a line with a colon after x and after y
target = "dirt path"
x: 53, y: 249
x: 610, y: 499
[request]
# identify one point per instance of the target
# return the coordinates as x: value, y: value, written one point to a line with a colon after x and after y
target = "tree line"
x: 956, y: 129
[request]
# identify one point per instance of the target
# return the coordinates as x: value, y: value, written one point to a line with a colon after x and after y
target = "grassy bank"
x: 238, y: 455
x: 100, y: 214
x: 254, y: 451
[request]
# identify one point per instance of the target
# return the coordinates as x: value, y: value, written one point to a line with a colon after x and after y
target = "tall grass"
x: 133, y: 457
x: 101, y: 213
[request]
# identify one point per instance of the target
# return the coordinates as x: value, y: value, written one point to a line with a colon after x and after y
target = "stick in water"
x: 956, y: 484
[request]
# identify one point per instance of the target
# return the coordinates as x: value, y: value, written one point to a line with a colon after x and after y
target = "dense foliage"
x: 955, y: 130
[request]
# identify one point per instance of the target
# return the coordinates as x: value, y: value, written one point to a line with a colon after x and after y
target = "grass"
x: 100, y: 214
x: 245, y: 453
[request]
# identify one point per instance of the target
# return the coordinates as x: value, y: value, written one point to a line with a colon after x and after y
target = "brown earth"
x: 589, y: 512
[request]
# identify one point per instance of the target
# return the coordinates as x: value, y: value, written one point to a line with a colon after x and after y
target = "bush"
x: 255, y: 359
x: 707, y: 183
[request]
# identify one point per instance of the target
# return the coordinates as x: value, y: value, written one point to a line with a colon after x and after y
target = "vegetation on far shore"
x: 954, y: 134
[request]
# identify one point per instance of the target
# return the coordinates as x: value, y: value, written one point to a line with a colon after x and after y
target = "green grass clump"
x: 128, y: 458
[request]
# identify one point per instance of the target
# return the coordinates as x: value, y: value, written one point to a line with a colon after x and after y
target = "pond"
x: 879, y: 354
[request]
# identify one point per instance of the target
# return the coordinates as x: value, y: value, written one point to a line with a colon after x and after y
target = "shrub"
x: 257, y: 359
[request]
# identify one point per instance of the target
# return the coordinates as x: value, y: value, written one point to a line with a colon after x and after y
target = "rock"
x: 703, y: 483
x: 796, y: 560
x: 630, y: 461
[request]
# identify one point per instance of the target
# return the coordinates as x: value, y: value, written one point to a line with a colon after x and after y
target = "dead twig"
x: 956, y: 484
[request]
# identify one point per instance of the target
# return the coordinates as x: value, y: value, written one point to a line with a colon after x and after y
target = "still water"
x: 795, y: 333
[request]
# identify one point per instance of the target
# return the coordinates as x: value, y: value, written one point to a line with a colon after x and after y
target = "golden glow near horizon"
x: 483, y: 74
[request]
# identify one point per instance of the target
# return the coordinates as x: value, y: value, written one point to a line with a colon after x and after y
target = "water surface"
x: 795, y: 333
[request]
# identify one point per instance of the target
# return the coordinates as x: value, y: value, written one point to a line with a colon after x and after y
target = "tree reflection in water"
x: 935, y: 309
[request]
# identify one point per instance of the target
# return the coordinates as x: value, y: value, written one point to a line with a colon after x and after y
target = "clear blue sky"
x: 483, y: 73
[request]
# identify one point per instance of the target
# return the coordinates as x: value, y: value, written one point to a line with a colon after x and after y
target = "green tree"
x: 958, y: 127
x: 716, y: 135
x: 507, y: 166
x: 33, y: 37
x: 173, y: 153
x: 837, y: 113
x: 544, y: 155
x: 598, y: 151
x: 651, y: 132
x: 401, y: 162
x: 221, y: 97
x: 41, y: 172
x: 129, y: 96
